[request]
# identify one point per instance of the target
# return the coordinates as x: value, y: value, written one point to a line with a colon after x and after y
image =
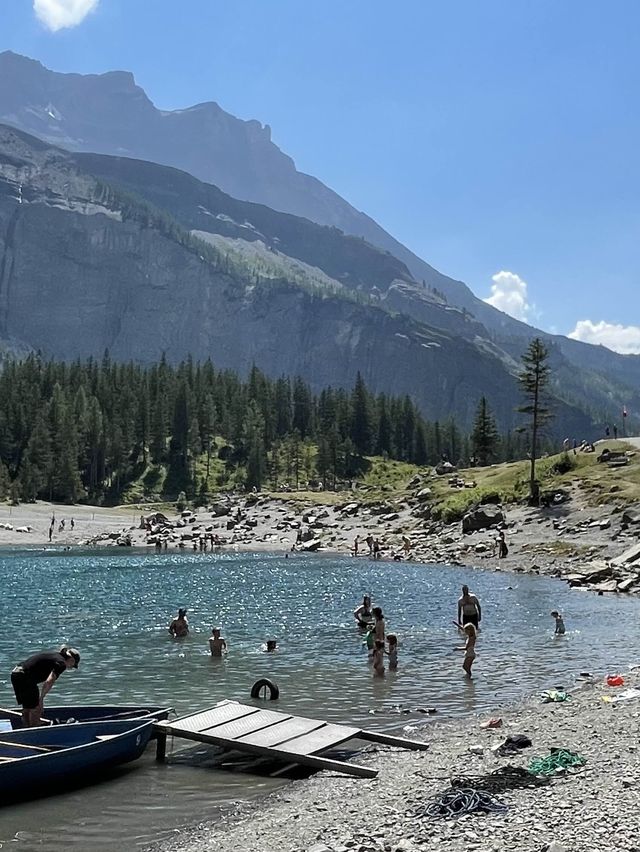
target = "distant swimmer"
x: 363, y: 614
x: 179, y: 627
x: 44, y: 668
x: 469, y: 609
x: 560, y: 628
x: 270, y: 646
x: 216, y: 643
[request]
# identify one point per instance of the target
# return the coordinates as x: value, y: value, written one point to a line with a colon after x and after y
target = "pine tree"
x: 534, y: 380
x: 484, y: 436
x: 254, y: 440
x: 361, y: 423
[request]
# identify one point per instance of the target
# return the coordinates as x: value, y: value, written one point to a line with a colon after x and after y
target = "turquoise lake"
x: 114, y: 606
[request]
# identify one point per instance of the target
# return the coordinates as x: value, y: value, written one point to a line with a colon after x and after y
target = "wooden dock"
x: 291, y: 739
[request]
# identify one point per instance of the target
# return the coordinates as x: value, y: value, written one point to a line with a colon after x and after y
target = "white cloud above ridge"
x: 509, y: 294
x: 624, y: 339
x: 60, y: 14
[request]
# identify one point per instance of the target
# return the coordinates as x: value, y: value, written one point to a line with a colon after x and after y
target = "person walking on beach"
x: 356, y: 543
x: 216, y: 643
x: 469, y: 609
x: 50, y: 532
x: 469, y: 648
x: 44, y: 668
x: 503, y: 550
x: 179, y: 627
x: 363, y: 614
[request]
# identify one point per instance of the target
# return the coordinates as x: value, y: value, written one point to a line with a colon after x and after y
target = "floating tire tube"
x: 271, y: 689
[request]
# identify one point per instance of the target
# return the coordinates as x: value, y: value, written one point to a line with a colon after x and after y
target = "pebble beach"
x: 589, y: 808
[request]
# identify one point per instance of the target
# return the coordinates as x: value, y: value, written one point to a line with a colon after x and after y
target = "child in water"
x: 560, y: 628
x: 378, y: 658
x: 469, y: 649
x: 392, y: 653
x: 370, y: 641
x: 216, y: 643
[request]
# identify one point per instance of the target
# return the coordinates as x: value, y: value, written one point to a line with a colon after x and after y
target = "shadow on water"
x: 115, y: 607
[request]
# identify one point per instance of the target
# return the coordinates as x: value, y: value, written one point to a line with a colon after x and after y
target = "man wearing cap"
x: 45, y: 668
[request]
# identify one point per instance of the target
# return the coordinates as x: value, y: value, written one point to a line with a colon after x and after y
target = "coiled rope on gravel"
x: 558, y: 759
x: 456, y: 802
x: 500, y: 780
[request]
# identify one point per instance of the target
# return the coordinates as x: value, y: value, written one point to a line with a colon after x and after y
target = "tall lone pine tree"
x: 534, y: 380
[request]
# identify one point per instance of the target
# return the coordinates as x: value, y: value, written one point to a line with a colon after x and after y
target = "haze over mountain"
x: 108, y: 113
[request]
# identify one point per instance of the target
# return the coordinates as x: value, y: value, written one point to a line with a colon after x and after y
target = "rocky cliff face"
x: 109, y: 113
x: 82, y: 269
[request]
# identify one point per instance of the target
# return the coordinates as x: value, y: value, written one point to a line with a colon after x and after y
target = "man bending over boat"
x: 44, y: 668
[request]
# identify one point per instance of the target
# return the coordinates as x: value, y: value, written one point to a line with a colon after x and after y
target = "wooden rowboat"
x: 36, y: 759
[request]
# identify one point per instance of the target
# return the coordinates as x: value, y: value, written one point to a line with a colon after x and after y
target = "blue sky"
x: 490, y: 136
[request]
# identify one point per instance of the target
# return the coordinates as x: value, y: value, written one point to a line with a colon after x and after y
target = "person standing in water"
x: 378, y: 658
x: 363, y: 614
x: 216, y: 643
x: 392, y: 652
x: 179, y: 627
x: 469, y: 609
x: 378, y: 628
x: 44, y: 668
x: 560, y: 628
x: 469, y: 648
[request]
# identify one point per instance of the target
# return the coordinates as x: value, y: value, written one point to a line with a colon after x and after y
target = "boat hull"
x: 37, y: 759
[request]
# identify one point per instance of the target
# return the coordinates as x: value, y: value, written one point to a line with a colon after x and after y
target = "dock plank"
x: 278, y: 734
x: 213, y: 717
x: 252, y: 723
x: 326, y: 737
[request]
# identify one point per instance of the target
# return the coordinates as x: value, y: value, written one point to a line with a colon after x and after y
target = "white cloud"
x: 509, y: 294
x: 620, y: 338
x: 58, y: 14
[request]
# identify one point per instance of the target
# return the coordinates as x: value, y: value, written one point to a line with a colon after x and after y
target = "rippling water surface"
x: 115, y: 607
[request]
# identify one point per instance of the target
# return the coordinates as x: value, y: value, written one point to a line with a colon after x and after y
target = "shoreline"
x: 583, y: 545
x: 332, y: 813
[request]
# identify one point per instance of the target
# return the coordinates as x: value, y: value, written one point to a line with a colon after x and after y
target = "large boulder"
x: 631, y: 515
x: 482, y: 518
x: 423, y: 495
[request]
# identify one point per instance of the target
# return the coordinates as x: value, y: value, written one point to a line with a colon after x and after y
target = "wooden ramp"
x: 292, y: 739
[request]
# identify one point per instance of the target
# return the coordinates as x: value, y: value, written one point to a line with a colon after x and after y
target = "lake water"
x: 114, y: 606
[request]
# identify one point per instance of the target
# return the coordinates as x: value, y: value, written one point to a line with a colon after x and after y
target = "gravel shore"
x: 594, y: 808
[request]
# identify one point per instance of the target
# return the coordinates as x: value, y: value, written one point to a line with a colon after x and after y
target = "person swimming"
x: 179, y: 627
x: 270, y: 646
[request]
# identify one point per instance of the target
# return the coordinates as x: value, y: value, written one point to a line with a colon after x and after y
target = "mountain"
x: 110, y: 114
x: 87, y: 264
